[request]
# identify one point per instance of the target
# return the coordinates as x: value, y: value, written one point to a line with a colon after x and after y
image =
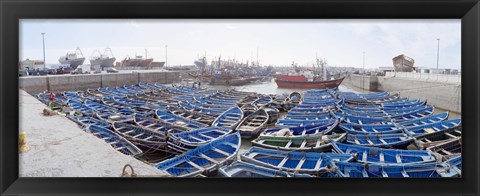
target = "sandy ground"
x: 60, y: 148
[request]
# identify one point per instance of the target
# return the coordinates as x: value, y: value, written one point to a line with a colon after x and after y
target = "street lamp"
x: 438, y: 51
x: 364, y: 74
x: 166, y: 55
x: 43, y: 39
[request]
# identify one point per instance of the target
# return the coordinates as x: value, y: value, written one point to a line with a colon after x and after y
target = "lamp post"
x: 166, y: 55
x: 438, y: 51
x: 363, y: 77
x: 43, y: 39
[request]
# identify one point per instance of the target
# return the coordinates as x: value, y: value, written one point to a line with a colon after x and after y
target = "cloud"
x: 231, y: 27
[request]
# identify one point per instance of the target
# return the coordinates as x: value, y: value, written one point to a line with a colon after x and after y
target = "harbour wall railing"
x: 37, y: 84
x: 443, y: 78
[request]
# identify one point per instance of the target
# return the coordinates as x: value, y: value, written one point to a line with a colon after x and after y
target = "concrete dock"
x: 442, y: 91
x: 60, y: 148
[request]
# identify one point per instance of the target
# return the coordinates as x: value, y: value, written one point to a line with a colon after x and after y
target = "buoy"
x: 22, y: 142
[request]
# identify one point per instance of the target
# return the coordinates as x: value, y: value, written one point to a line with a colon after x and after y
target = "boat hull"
x: 308, y: 85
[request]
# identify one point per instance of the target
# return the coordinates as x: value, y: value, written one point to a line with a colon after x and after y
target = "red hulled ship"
x: 308, y: 78
x: 286, y: 81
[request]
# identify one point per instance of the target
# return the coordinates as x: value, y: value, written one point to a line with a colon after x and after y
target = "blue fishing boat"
x: 383, y: 156
x: 204, y: 159
x: 253, y: 124
x: 315, y: 143
x: 297, y: 162
x: 99, y: 107
x: 177, y: 120
x: 72, y: 95
x: 229, y: 119
x: 123, y: 115
x: 85, y: 121
x: 116, y: 141
x: 79, y: 107
x: 424, y: 112
x: 240, y: 169
x: 393, y: 140
x: 303, y: 123
x: 370, y: 128
x: 185, y: 141
x: 425, y: 120
x: 432, y: 128
x: 361, y: 120
x: 403, y: 104
x: 454, y: 163
x: 307, y: 116
x: 424, y: 170
x: 145, y: 138
x: 325, y: 127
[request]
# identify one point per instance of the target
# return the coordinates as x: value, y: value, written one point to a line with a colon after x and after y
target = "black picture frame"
x: 466, y: 10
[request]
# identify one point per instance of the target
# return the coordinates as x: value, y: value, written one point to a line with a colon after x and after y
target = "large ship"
x: 402, y: 63
x: 138, y: 61
x: 104, y: 60
x: 73, y: 59
x: 308, y: 78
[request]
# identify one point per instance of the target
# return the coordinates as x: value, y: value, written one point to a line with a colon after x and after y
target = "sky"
x: 278, y: 42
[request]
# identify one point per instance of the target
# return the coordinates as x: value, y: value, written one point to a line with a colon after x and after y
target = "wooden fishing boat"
x: 248, y: 109
x: 392, y: 140
x: 144, y: 138
x: 253, y: 124
x: 425, y: 120
x: 432, y: 128
x: 321, y: 128
x: 204, y: 159
x: 195, y: 116
x: 229, y: 119
x: 86, y: 121
x: 116, y: 141
x: 178, y: 120
x: 425, y: 141
x: 157, y: 125
x: 273, y: 114
x: 383, y: 156
x: 424, y: 170
x: 240, y: 169
x: 447, y: 149
x: 247, y: 100
x: 370, y: 128
x: 297, y: 162
x: 185, y: 141
x: 315, y: 143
